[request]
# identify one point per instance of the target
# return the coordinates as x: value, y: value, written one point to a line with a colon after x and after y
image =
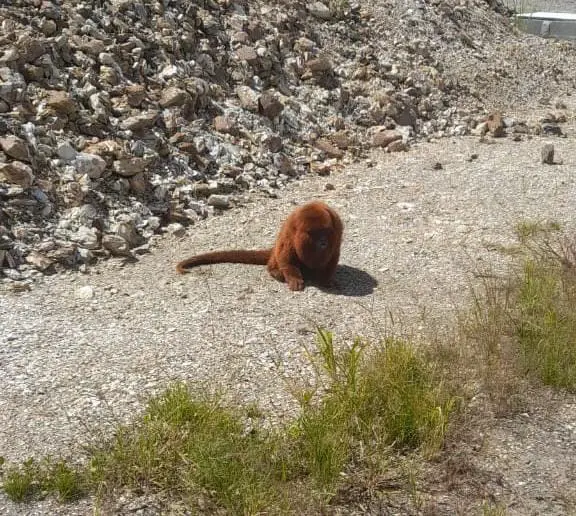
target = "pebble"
x: 85, y: 292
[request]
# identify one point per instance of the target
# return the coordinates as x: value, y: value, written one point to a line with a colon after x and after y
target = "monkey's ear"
x: 337, y: 223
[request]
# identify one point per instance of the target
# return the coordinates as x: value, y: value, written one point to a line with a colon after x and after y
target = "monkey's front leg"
x: 293, y: 277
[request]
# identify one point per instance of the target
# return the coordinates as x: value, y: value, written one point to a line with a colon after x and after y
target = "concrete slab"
x: 548, y: 24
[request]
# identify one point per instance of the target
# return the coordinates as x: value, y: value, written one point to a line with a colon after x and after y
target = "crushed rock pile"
x: 123, y: 119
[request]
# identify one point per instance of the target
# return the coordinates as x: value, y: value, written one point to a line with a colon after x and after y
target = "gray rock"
x: 86, y: 237
x: 221, y: 202
x: 90, y: 164
x: 269, y: 105
x: 284, y: 164
x: 117, y: 245
x: 319, y: 10
x: 17, y: 173
x: 130, y: 166
x: 66, y: 151
x: 248, y: 98
x: 548, y: 154
x: 140, y: 122
x: 174, y: 97
x: 85, y: 292
x: 12, y: 274
x: 15, y: 148
x: 176, y: 229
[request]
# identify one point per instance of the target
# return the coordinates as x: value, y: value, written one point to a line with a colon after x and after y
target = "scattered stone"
x: 247, y: 54
x: 319, y: 65
x: 12, y: 274
x: 319, y: 10
x: 15, y: 148
x: 248, y: 98
x: 135, y: 94
x: 495, y: 125
x: 90, y: 164
x: 328, y: 148
x: 329, y: 187
x: 322, y: 169
x: 548, y: 154
x: 86, y: 237
x: 284, y: 164
x: 139, y: 184
x: 85, y: 292
x: 117, y: 245
x: 130, y: 166
x: 66, y: 151
x: 60, y: 102
x: 174, y: 97
x: 342, y: 140
x: 397, y: 146
x: 16, y: 172
x: 222, y: 202
x: 552, y: 130
x: 385, y: 137
x: 141, y: 122
x: 176, y: 229
x: 269, y: 106
x: 39, y: 261
x: 223, y: 124
x: 273, y: 143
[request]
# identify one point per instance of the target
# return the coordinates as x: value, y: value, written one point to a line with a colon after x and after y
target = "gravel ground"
x: 73, y: 366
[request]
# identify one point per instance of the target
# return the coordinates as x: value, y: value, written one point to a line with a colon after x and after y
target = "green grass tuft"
x: 22, y: 483
x: 375, y: 397
x: 189, y: 448
x: 546, y: 324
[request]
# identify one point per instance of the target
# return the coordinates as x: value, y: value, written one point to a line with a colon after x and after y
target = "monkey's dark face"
x: 316, y: 246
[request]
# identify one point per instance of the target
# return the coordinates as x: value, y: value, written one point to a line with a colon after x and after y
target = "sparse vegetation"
x: 192, y: 448
x: 34, y: 479
x: 524, y: 324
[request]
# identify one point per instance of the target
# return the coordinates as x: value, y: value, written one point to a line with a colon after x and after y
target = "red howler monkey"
x: 308, y: 245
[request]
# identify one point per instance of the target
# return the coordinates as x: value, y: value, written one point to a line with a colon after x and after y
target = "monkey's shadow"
x: 352, y: 282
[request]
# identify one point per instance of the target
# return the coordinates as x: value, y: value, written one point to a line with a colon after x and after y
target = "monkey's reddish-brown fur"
x: 307, y: 247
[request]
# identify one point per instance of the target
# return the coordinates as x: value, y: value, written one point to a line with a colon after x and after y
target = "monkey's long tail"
x: 259, y: 257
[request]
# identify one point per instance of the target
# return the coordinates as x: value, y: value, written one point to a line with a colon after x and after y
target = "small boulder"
x: 495, y: 124
x: 135, y: 94
x: 319, y: 10
x: 221, y: 202
x: 15, y: 148
x: 117, y: 245
x: 89, y: 164
x: 248, y: 54
x: 548, y: 154
x: 17, y: 173
x: 385, y: 138
x: 225, y: 125
x: 174, y: 97
x: 328, y: 148
x: 269, y: 106
x: 61, y: 102
x: 397, y: 146
x: 128, y: 167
